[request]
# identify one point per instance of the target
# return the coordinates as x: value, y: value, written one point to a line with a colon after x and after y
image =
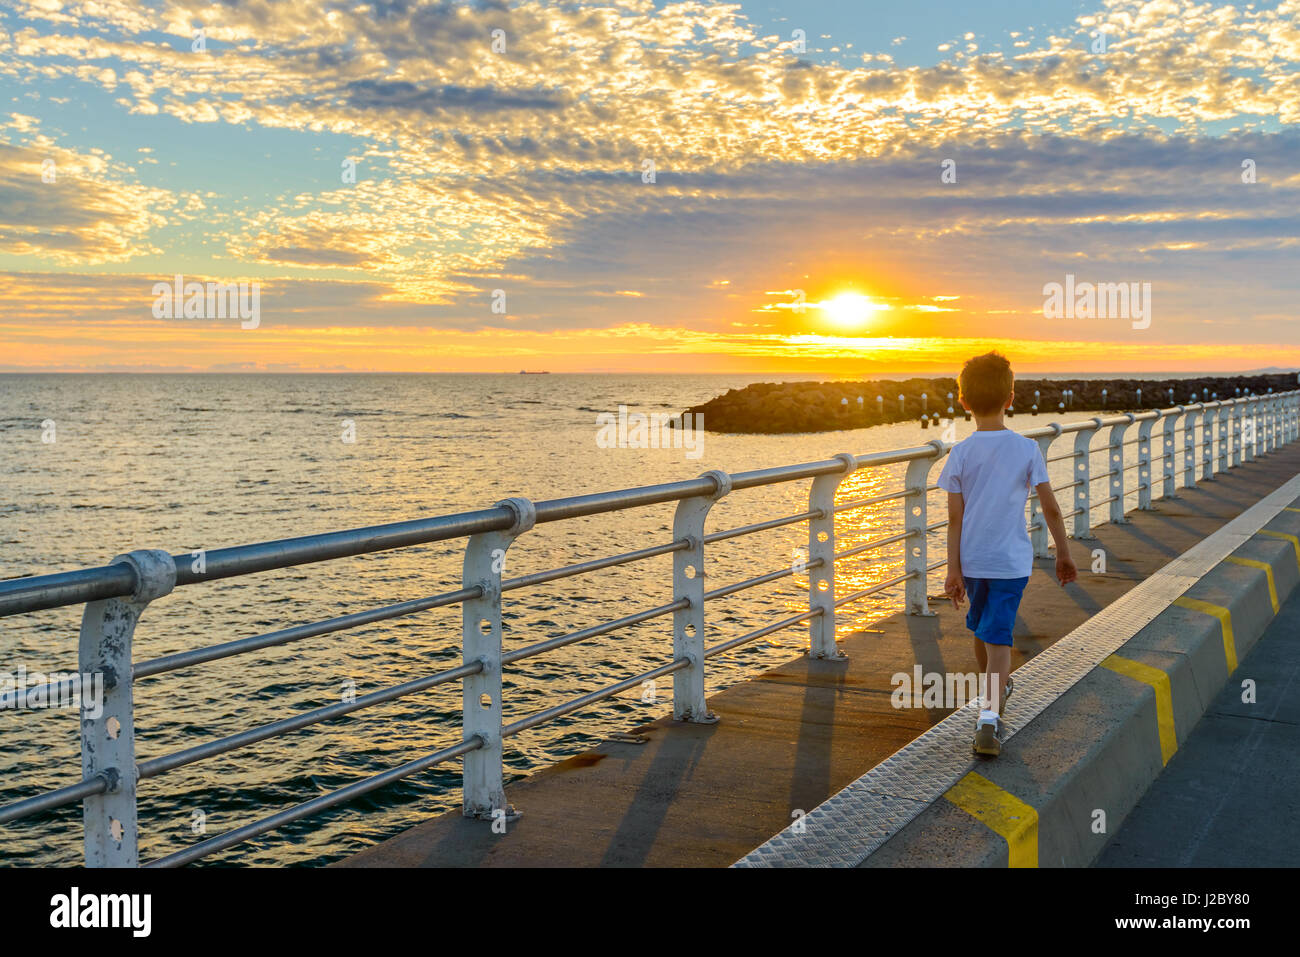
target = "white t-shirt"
x: 993, y: 471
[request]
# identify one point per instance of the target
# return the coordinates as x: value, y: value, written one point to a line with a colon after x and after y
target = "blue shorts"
x: 993, y: 606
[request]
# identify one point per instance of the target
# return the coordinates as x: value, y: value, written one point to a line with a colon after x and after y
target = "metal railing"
x: 116, y: 595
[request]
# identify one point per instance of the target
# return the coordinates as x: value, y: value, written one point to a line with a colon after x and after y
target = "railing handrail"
x: 39, y: 592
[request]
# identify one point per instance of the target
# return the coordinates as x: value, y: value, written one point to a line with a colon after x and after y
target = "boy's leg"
x: 992, y: 681
x: 995, y: 631
x: 994, y: 678
x: 976, y: 594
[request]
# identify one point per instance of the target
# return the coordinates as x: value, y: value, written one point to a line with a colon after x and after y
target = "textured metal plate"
x: 846, y: 828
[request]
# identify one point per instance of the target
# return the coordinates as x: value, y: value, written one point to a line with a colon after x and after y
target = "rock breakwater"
x: 772, y: 407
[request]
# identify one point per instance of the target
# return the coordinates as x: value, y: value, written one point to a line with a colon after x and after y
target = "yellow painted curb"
x: 1225, y: 621
x: 1295, y: 542
x: 1159, y: 682
x: 1002, y: 813
x: 1263, y: 566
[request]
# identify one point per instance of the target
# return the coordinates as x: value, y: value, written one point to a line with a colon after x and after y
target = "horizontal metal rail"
x: 148, y: 769
x: 59, y: 797
x: 550, y: 644
x: 198, y: 656
x: 314, y: 806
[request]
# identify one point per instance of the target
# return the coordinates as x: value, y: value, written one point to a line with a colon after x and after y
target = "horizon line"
x: 1269, y: 370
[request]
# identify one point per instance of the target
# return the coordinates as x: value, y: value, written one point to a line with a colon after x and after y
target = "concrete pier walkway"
x: 705, y: 795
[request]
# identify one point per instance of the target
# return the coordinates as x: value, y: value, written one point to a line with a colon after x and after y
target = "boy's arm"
x: 954, y: 586
x: 1051, y: 509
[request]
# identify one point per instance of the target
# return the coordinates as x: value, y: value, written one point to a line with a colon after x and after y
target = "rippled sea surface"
x: 206, y: 461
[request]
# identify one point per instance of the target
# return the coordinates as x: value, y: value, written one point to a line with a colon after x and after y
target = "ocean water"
x: 187, y: 462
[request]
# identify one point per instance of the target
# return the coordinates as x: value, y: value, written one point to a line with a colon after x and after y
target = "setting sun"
x: 849, y: 309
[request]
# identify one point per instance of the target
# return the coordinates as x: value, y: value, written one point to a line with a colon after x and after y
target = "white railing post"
x: 1257, y: 413
x: 1189, y: 446
x: 1270, y: 441
x: 1167, y: 463
x: 1144, y: 463
x: 1265, y: 424
x: 916, y: 545
x: 1225, y: 436
x: 1208, y: 418
x: 1083, y: 476
x: 483, y: 787
x: 1116, y: 457
x: 1260, y: 429
x: 1249, y: 430
x: 1261, y: 425
x: 688, y: 583
x: 1238, y: 410
x: 821, y: 560
x: 108, y: 739
x: 1039, y: 535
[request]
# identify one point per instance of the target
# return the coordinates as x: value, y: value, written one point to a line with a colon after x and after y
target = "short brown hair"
x: 986, y: 383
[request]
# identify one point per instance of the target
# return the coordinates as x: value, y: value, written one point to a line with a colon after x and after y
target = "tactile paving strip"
x: 846, y: 828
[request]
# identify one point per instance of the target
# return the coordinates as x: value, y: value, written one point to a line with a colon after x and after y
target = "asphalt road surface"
x: 1230, y: 796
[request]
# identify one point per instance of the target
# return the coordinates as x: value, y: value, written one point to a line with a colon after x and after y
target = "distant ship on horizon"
x: 534, y: 371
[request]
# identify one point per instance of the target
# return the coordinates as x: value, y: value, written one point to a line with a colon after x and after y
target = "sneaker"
x: 986, y: 739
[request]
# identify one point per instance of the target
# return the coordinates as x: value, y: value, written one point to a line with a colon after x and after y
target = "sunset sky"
x: 780, y: 176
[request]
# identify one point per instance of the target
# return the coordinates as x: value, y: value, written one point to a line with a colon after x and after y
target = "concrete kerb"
x: 1078, y: 769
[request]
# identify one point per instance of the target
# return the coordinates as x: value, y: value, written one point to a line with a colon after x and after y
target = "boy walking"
x: 987, y: 478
